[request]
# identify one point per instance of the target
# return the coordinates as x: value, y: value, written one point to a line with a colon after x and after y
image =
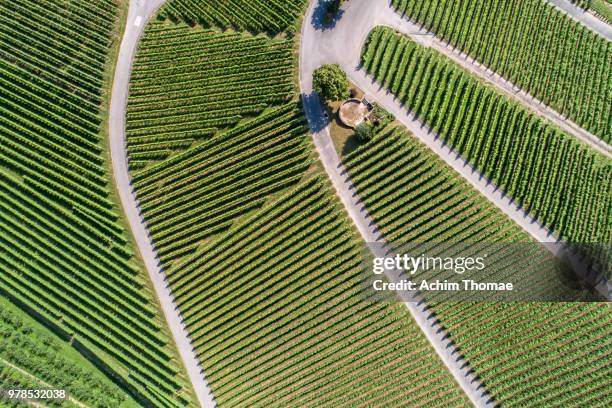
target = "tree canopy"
x: 330, y: 82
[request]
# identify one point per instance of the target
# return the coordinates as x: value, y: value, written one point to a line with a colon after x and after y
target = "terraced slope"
x: 63, y: 249
x: 534, y: 45
x: 526, y: 354
x: 564, y: 184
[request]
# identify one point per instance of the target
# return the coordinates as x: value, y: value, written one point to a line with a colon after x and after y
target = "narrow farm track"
x: 342, y: 44
x: 140, y: 12
x: 584, y: 17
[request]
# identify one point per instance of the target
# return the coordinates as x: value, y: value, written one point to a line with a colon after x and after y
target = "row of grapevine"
x: 187, y: 84
x: 534, y: 45
x: 601, y: 8
x: 276, y: 312
x: 63, y: 249
x: 564, y: 184
x: 260, y: 258
x: 257, y: 16
x: 201, y: 191
x: 526, y: 354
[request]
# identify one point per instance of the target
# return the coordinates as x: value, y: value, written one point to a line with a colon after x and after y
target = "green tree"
x: 330, y: 82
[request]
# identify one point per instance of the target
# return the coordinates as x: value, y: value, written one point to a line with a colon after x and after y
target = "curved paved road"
x: 139, y: 13
x: 315, y: 50
x: 586, y: 18
x: 342, y: 44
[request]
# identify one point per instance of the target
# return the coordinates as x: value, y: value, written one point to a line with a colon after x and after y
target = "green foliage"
x: 289, y: 314
x: 585, y: 4
x: 534, y: 45
x: 602, y: 9
x: 333, y: 6
x: 217, y: 181
x: 63, y: 249
x: 527, y: 354
x: 330, y: 82
x: 233, y: 114
x: 43, y: 356
x: 561, y: 182
x: 256, y: 16
x: 188, y: 84
x: 331, y: 10
x: 364, y: 132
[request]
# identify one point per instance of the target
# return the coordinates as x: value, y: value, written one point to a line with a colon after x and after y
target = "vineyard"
x: 213, y: 128
x: 201, y: 191
x: 187, y: 84
x: 276, y: 313
x: 64, y: 253
x: 261, y: 260
x: 526, y: 354
x: 564, y: 184
x: 535, y: 46
x: 257, y: 16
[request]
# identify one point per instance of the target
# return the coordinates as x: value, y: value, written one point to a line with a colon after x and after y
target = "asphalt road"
x: 585, y: 18
x: 342, y: 44
x: 139, y: 13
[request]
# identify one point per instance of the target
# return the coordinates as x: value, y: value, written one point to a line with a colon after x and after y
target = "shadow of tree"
x: 316, y: 115
x: 351, y: 144
x: 321, y: 19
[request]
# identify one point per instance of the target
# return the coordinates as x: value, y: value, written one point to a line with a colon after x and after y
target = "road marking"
x: 137, y: 21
